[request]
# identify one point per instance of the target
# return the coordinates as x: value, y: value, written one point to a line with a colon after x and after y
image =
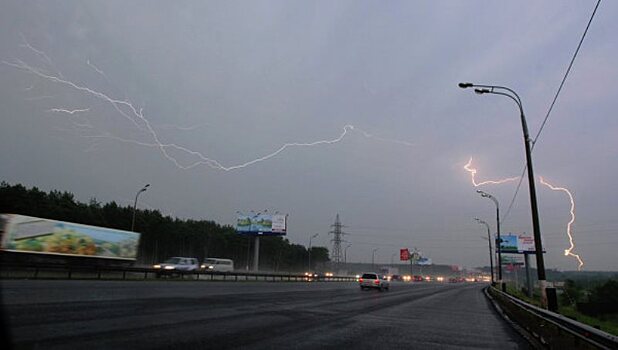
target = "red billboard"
x: 404, y: 254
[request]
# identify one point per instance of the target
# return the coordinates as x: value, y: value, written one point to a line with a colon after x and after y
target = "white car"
x: 218, y: 264
x: 177, y: 264
x: 373, y: 280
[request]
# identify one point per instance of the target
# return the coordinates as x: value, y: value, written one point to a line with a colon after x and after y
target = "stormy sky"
x: 220, y: 84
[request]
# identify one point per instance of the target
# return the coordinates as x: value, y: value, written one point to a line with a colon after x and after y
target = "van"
x: 217, y: 264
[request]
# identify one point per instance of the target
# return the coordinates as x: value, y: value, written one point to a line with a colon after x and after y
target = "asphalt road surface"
x: 251, y: 315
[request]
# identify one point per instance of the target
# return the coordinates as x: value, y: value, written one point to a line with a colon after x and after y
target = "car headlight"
x: 169, y: 267
x: 203, y: 266
x: 157, y: 266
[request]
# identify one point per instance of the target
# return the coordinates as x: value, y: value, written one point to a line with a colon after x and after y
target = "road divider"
x: 69, y: 271
x: 549, y: 328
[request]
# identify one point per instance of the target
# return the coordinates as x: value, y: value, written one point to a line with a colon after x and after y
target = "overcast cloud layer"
x: 237, y: 80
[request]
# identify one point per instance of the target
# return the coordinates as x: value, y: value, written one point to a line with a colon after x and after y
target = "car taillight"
x: 360, y: 279
x: 376, y: 282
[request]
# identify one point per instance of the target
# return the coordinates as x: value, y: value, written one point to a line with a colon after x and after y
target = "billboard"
x: 512, y: 260
x: 526, y: 244
x: 424, y: 261
x: 513, y: 244
x: 509, y: 244
x: 35, y: 235
x: 262, y: 224
x: 404, y: 254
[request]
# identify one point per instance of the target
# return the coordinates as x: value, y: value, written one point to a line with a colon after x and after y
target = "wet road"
x: 251, y: 315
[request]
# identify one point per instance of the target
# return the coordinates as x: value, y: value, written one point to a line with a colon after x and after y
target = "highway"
x: 54, y: 314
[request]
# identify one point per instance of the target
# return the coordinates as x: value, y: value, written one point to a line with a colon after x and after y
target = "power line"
x: 551, y: 107
x: 508, y: 211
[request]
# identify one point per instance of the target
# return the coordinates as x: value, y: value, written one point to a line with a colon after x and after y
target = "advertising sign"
x: 512, y: 260
x: 279, y: 224
x: 509, y: 244
x: 424, y: 261
x: 404, y: 254
x: 262, y: 224
x: 36, y: 235
x: 526, y: 244
x: 513, y: 244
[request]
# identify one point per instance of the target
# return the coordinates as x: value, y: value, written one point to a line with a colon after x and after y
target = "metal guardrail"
x: 551, y: 328
x: 69, y: 271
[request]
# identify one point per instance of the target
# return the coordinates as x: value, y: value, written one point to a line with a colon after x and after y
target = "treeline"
x: 161, y: 236
x: 600, y: 300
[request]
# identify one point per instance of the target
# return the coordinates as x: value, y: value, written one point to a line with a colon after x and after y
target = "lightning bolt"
x: 473, y: 171
x: 71, y: 111
x: 370, y: 136
x: 203, y: 160
x: 181, y: 128
x: 567, y: 252
x: 136, y: 116
x: 40, y: 53
x: 97, y: 69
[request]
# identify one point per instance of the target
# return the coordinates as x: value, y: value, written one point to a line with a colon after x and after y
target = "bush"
x: 603, y: 299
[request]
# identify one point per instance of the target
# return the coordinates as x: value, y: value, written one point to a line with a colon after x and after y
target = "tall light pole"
x: 536, y: 226
x: 310, y: 238
x: 499, y: 239
x: 373, y: 255
x: 491, y: 258
x: 345, y: 253
x: 143, y: 189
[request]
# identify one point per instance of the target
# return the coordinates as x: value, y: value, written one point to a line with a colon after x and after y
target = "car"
x: 313, y: 276
x: 176, y: 264
x: 218, y: 264
x: 373, y: 280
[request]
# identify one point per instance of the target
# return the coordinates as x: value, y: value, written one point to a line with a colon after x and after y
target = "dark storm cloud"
x: 237, y: 80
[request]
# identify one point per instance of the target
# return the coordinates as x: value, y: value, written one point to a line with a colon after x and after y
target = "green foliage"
x: 162, y: 236
x: 605, y: 297
x: 572, y: 293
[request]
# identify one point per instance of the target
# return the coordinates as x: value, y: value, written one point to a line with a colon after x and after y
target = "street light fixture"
x: 143, y: 189
x: 499, y: 239
x: 536, y: 226
x: 491, y: 258
x: 310, y: 238
x: 345, y: 253
x: 373, y: 255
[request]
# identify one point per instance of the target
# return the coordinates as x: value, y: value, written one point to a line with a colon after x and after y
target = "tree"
x: 161, y: 236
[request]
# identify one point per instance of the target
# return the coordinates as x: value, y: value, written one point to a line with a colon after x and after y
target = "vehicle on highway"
x: 373, y: 280
x: 313, y: 276
x: 176, y: 264
x: 218, y: 264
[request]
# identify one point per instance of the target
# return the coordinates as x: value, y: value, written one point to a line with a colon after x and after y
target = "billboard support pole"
x: 256, y: 253
x: 528, y: 275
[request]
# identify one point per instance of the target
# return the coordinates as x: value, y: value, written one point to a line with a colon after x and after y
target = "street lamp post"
x: 345, y: 253
x: 310, y: 238
x: 491, y: 258
x: 536, y: 227
x: 499, y: 239
x: 143, y: 189
x: 373, y: 255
